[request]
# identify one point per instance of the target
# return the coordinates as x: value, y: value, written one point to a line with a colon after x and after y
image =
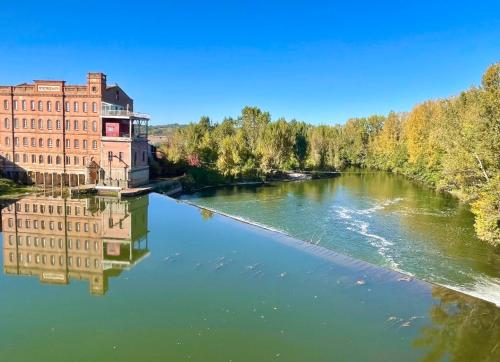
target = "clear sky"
x: 320, y: 62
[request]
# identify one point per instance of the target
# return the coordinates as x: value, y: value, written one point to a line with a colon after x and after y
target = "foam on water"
x: 484, y: 288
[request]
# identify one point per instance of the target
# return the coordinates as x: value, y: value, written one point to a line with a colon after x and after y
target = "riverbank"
x: 9, y: 189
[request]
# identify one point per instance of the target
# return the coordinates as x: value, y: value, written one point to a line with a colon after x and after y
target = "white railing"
x: 123, y: 113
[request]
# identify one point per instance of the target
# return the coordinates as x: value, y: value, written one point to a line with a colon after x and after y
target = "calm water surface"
x: 152, y: 279
x: 381, y: 218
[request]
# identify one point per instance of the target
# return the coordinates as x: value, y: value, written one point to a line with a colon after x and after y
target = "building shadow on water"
x: 58, y: 239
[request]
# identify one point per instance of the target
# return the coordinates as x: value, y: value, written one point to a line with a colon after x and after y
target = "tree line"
x: 452, y: 144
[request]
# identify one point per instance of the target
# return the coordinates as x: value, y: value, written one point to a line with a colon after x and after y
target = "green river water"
x: 378, y: 217
x: 154, y: 279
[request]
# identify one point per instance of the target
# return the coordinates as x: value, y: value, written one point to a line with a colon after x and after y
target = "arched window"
x: 58, y: 160
x: 49, y: 160
x: 58, y: 106
x: 94, y: 126
x: 33, y: 142
x: 75, y: 125
x: 40, y: 142
x: 23, y: 105
x: 58, y: 124
x: 94, y: 145
x: 75, y: 106
x: 40, y: 106
x: 58, y: 143
x: 40, y: 124
x: 94, y: 107
x: 68, y: 107
x: 85, y: 107
x: 49, y: 142
x: 32, y: 105
x: 40, y: 159
x: 85, y: 125
x: 7, y: 141
x: 6, y: 123
x: 16, y: 123
x: 16, y: 141
x: 49, y: 124
x: 16, y: 157
x: 33, y: 124
x: 25, y: 142
x: 25, y: 123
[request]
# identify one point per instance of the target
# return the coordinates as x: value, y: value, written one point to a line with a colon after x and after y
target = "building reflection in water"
x: 61, y: 239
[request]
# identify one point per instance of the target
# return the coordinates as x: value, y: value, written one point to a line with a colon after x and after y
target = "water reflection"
x: 460, y: 328
x: 60, y: 239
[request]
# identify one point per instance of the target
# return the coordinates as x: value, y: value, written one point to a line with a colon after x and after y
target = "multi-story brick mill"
x: 56, y: 134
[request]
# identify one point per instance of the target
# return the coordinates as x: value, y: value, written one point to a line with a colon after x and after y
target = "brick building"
x: 56, y: 134
x: 60, y: 239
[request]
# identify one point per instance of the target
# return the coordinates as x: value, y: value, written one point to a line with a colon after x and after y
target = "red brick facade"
x: 52, y: 133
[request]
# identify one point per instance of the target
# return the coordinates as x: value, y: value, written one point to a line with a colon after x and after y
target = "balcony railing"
x: 123, y: 113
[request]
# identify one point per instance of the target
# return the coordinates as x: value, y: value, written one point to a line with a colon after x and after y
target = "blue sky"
x: 320, y: 62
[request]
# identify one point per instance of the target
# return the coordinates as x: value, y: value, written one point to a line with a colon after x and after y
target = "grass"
x: 9, y: 188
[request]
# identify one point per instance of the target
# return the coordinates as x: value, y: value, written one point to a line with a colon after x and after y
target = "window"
x: 16, y: 157
x: 40, y: 142
x: 75, y: 125
x: 75, y: 106
x: 58, y: 106
x: 40, y: 124
x: 25, y: 158
x: 33, y: 124
x: 33, y: 158
x: 49, y: 106
x: 85, y: 125
x: 68, y: 160
x: 84, y: 162
x: 49, y: 142
x: 16, y: 123
x: 6, y: 123
x: 25, y: 142
x: 16, y: 141
x: 23, y: 105
x: 32, y: 105
x: 58, y: 124
x: 58, y: 143
x: 85, y: 107
x: 40, y: 159
x: 25, y: 123
x: 85, y: 142
x: 94, y: 145
x: 49, y: 160
x: 94, y: 126
x: 94, y: 107
x: 7, y: 143
x: 15, y: 105
x: 68, y: 143
x: 49, y: 124
x: 58, y: 160
x: 5, y: 104
x: 33, y: 142
x: 40, y: 106
x: 68, y: 125
x: 76, y: 161
x: 76, y: 144
x: 68, y: 107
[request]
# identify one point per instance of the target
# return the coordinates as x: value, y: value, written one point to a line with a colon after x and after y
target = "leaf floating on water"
x: 391, y: 318
x: 406, y: 324
x: 360, y: 282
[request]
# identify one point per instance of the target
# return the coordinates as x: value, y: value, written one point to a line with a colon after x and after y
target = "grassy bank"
x: 9, y: 188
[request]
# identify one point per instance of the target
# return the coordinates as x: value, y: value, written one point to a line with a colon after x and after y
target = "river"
x: 153, y: 279
x: 378, y: 217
